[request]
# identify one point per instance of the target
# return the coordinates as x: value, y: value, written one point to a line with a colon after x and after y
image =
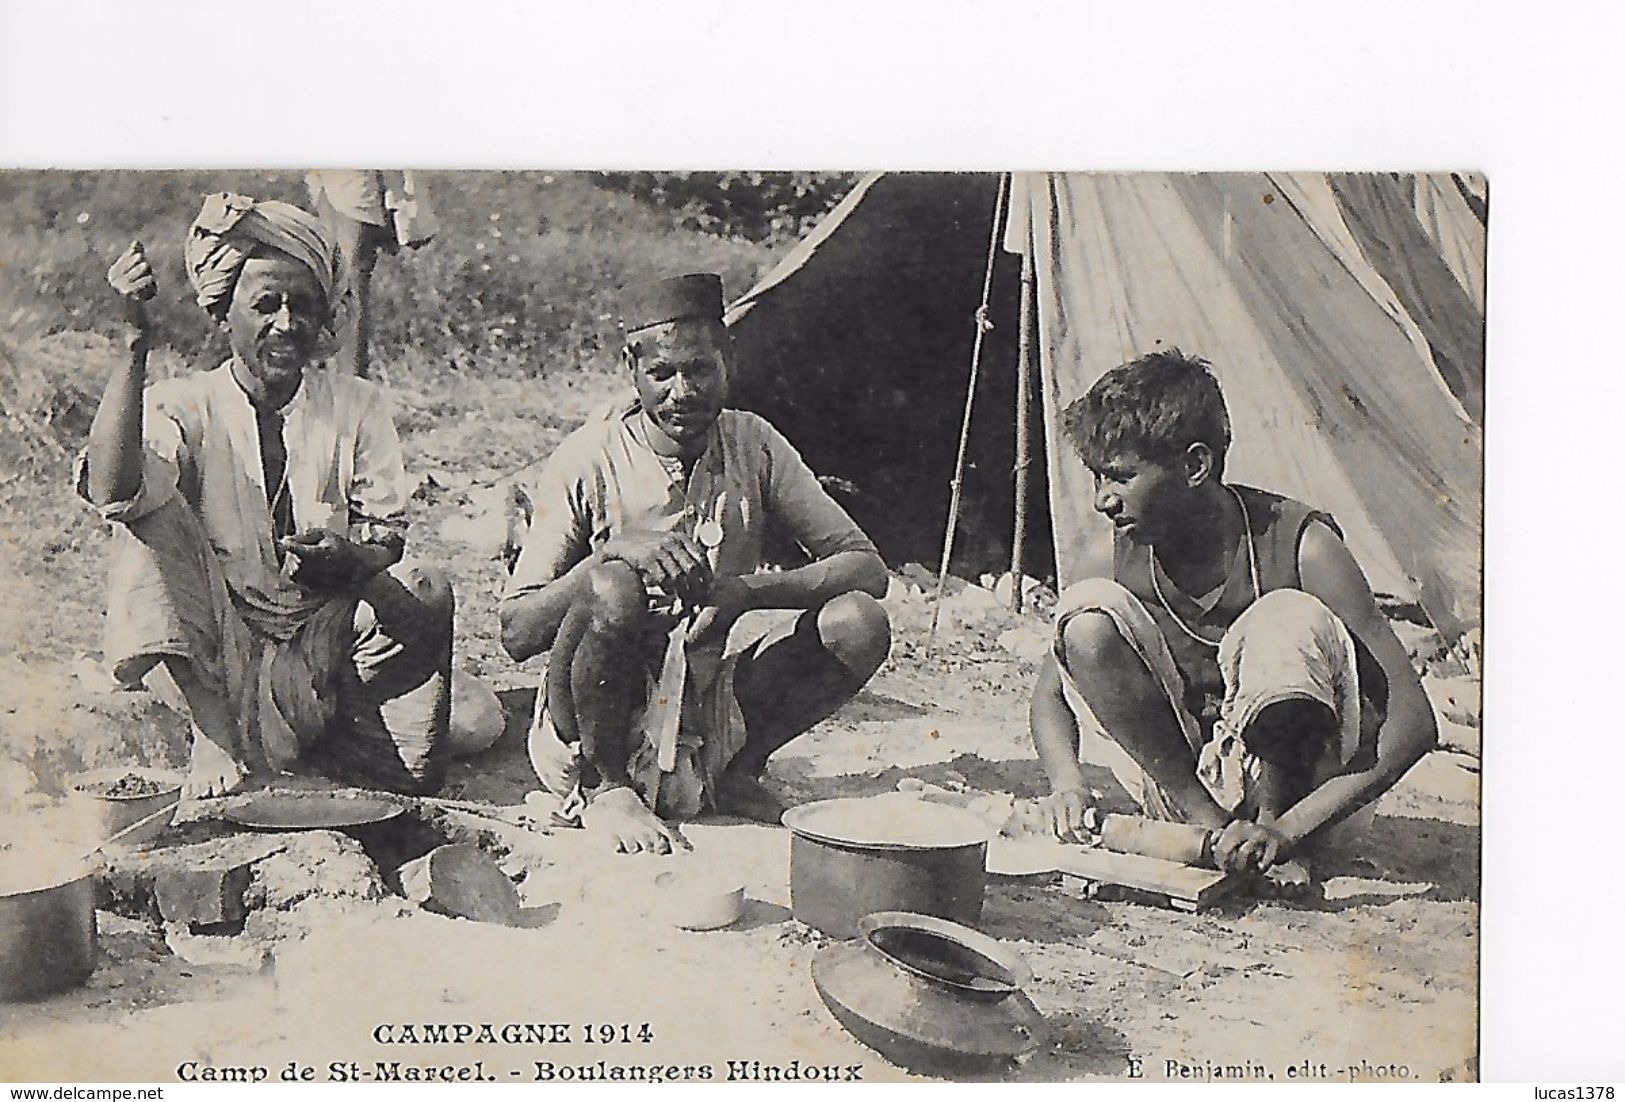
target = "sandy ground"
x: 1378, y: 979
x: 1382, y: 971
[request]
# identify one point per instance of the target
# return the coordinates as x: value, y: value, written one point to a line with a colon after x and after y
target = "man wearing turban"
x: 257, y: 580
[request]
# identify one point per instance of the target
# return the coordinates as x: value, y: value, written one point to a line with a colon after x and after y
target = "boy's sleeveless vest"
x: 1277, y: 525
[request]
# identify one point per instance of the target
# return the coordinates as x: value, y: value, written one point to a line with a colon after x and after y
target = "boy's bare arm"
x: 1055, y: 730
x: 1330, y: 573
x: 1055, y: 735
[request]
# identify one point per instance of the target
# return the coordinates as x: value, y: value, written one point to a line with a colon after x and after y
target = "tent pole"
x: 1018, y: 540
x: 958, y: 484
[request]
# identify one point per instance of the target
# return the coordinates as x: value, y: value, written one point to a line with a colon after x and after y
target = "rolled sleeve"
x: 797, y: 501
x: 379, y: 490
x: 162, y: 446
x: 559, y: 532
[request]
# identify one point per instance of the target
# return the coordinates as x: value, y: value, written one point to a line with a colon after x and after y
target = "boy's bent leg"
x: 1297, y: 695
x: 220, y: 758
x: 788, y: 684
x: 1292, y: 695
x: 556, y: 690
x: 1286, y: 739
x: 1136, y: 714
x: 1122, y: 683
x: 394, y: 700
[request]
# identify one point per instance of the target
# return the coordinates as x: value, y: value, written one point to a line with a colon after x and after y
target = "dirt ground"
x: 1376, y: 980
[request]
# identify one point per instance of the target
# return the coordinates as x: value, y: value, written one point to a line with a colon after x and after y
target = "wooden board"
x: 1185, y: 886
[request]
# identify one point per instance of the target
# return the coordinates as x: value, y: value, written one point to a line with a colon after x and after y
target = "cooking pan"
x: 892, y: 852
x: 47, y: 921
x: 274, y: 810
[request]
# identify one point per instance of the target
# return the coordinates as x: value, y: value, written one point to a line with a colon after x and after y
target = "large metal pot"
x: 894, y: 852
x: 930, y: 995
x: 47, y: 922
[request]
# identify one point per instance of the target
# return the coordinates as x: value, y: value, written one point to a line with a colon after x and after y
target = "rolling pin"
x: 1179, y: 842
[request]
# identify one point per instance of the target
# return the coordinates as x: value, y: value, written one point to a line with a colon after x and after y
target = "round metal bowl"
x: 695, y: 900
x: 102, y: 814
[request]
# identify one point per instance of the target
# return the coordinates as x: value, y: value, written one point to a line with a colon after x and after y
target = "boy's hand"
x: 1249, y: 847
x: 1068, y: 814
x: 131, y: 274
x: 132, y: 277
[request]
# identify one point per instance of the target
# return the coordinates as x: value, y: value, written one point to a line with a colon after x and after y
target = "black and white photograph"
x: 997, y: 625
x: 949, y: 544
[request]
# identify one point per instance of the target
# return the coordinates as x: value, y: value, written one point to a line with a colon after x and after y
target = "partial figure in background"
x: 1225, y: 643
x: 367, y: 211
x: 257, y: 579
x: 644, y: 549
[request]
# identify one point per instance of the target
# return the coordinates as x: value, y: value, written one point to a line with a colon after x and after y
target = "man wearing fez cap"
x: 643, y: 552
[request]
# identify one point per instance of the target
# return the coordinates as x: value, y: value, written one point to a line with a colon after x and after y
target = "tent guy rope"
x: 982, y: 326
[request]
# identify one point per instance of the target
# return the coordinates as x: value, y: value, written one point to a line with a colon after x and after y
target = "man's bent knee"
x: 430, y: 585
x: 1092, y: 641
x: 616, y: 597
x: 855, y: 629
x: 409, y: 603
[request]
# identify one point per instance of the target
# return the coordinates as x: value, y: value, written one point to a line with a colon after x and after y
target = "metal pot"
x: 894, y: 852
x: 47, y: 922
x: 102, y: 816
x: 929, y: 994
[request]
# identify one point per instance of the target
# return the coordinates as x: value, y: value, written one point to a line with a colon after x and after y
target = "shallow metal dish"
x: 102, y: 816
x: 309, y: 810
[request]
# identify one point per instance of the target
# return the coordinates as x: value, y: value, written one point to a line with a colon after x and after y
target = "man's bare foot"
x: 739, y: 793
x: 621, y: 818
x: 214, y: 771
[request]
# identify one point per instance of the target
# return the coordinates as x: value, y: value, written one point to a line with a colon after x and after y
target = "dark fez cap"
x: 698, y: 295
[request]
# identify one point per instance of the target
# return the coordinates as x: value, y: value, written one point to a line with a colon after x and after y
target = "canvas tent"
x: 1339, y: 312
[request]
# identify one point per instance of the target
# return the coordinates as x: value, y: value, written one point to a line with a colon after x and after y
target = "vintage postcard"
x: 559, y: 627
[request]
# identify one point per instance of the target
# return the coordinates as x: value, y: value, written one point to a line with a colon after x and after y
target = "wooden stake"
x: 1018, y: 540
